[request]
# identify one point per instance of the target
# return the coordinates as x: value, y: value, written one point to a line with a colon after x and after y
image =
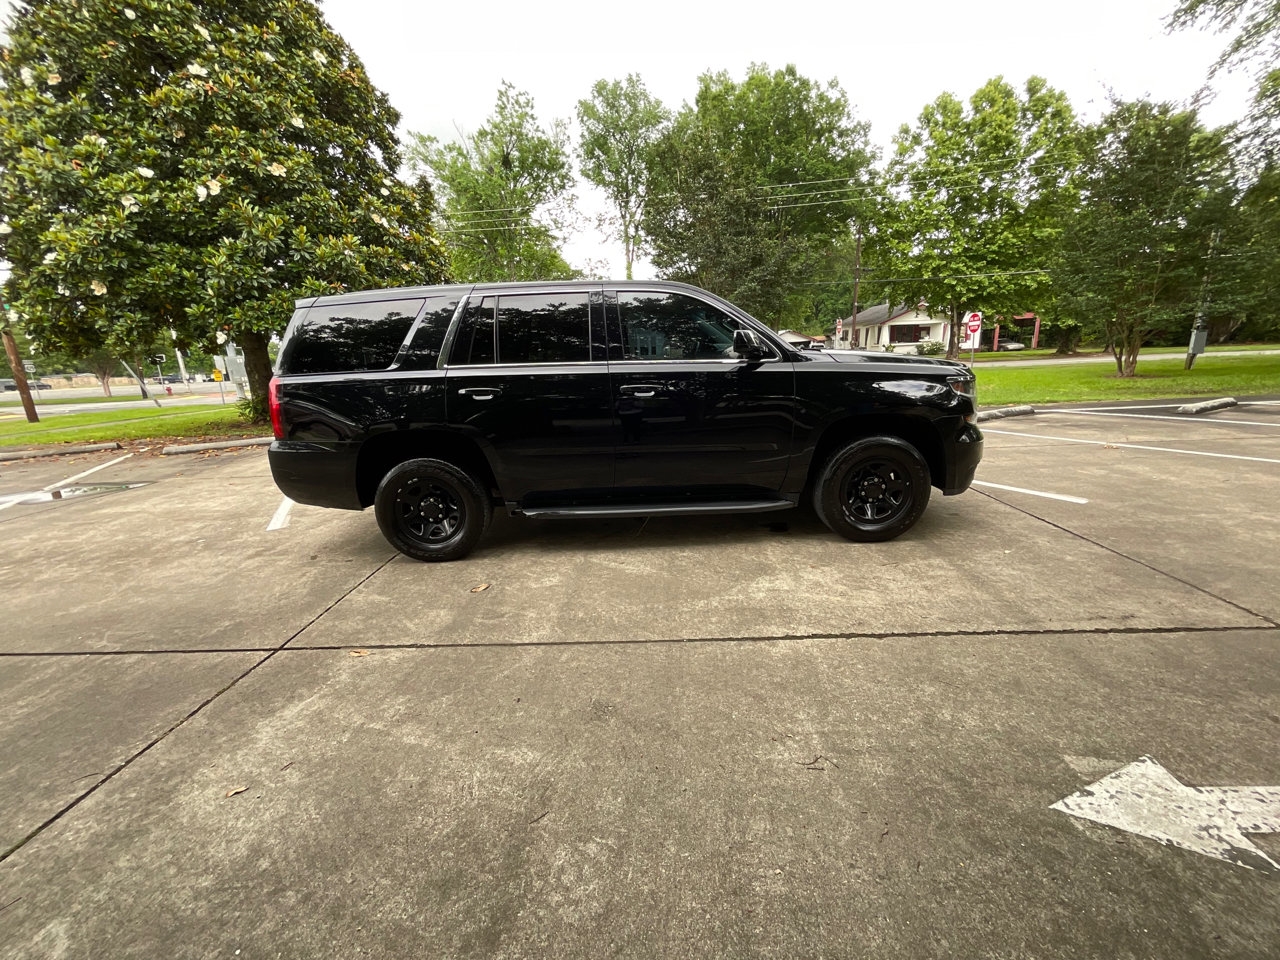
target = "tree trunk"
x: 953, y: 341
x: 106, y: 385
x: 257, y: 367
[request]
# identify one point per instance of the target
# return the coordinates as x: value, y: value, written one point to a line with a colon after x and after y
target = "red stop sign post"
x: 974, y: 326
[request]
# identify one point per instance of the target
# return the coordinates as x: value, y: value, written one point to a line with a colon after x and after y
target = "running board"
x: 655, y: 509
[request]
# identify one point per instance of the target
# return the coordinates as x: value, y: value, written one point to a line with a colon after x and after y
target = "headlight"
x: 965, y: 386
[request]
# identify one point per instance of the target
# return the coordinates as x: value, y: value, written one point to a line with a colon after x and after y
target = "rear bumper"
x: 963, y: 463
x: 320, y: 474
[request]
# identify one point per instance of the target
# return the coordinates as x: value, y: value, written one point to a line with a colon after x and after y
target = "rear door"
x: 528, y: 379
x: 694, y: 421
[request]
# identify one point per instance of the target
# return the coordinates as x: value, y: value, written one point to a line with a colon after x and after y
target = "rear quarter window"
x: 349, y: 337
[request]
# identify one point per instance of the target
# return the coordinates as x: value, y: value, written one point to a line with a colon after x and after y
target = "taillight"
x: 273, y: 404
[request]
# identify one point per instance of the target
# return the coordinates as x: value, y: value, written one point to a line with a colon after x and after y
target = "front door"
x: 694, y: 421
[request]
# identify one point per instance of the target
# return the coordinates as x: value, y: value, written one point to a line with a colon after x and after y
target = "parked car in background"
x: 39, y: 385
x: 436, y: 405
x: 1011, y: 345
x: 8, y: 385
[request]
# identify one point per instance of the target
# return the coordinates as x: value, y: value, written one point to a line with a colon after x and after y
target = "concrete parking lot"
x: 235, y: 727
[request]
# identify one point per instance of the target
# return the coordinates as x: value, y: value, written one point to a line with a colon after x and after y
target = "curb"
x: 1204, y: 406
x: 57, y: 452
x: 1019, y: 411
x: 218, y: 445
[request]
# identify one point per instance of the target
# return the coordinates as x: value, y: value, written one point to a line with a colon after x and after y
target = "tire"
x: 430, y: 510
x: 872, y: 490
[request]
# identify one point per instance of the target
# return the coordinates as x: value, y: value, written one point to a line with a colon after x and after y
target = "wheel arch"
x: 380, y: 453
x: 920, y: 432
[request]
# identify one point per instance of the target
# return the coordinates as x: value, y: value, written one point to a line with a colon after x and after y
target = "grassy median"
x: 138, y: 424
x: 1156, y: 379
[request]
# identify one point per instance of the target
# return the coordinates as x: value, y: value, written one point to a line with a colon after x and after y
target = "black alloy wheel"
x: 431, y: 510
x: 873, y: 489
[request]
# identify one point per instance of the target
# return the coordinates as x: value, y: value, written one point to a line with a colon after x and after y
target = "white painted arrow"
x: 1146, y: 799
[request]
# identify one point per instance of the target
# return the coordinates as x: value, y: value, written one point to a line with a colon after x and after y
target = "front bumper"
x: 966, y: 454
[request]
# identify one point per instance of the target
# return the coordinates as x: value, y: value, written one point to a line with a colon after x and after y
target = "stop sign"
x: 975, y: 322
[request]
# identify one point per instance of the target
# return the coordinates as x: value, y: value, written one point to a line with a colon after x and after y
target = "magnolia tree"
x: 168, y: 165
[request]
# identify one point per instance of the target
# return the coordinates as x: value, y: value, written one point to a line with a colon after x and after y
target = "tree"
x: 506, y: 195
x: 620, y: 123
x: 978, y: 192
x: 750, y: 184
x: 1145, y: 250
x: 195, y: 166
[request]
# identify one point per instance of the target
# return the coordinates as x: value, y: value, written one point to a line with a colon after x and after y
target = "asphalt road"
x: 724, y: 737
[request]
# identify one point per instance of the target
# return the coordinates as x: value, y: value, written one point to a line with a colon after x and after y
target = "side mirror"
x: 748, y: 345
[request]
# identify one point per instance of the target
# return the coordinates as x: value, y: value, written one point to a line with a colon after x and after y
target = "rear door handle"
x: 480, y: 393
x: 641, y: 390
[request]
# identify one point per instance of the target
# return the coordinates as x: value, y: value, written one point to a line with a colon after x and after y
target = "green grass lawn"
x: 1094, y: 351
x: 41, y: 399
x: 106, y: 425
x: 1212, y: 376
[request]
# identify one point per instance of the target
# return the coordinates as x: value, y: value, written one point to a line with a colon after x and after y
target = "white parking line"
x: 1160, y: 416
x: 69, y: 480
x: 1131, y: 446
x: 1034, y: 493
x: 281, y: 518
x: 81, y: 476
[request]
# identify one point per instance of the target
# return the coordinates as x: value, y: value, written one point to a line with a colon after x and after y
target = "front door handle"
x: 640, y: 390
x: 479, y: 393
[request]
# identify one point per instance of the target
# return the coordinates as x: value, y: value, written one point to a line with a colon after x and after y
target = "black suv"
x: 593, y: 399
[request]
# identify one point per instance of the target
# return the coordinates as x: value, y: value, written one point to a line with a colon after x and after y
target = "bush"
x: 931, y: 348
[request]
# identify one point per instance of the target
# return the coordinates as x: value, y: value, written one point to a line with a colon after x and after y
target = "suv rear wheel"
x: 873, y: 489
x: 431, y: 510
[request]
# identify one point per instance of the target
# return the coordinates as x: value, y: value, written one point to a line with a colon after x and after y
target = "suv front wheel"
x: 430, y: 510
x: 873, y: 489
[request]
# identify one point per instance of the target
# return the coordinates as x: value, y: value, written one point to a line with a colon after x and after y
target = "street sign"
x: 217, y: 375
x: 29, y: 366
x: 1146, y: 799
x: 158, y: 358
x: 975, y: 322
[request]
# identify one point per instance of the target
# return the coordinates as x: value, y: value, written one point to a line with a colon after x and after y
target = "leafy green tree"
x: 750, y: 184
x: 505, y: 191
x: 195, y: 166
x: 620, y: 123
x: 978, y: 194
x: 1148, y: 247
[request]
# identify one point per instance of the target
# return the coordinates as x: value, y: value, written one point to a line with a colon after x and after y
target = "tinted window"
x: 474, y: 343
x: 423, y: 352
x: 353, y: 336
x: 672, y: 326
x: 544, y: 328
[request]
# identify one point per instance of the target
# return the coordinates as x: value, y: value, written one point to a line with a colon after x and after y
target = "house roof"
x: 881, y: 313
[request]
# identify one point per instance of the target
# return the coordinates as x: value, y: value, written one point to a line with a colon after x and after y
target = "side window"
x: 348, y: 337
x: 474, y: 342
x: 423, y: 351
x: 544, y: 328
x: 673, y: 326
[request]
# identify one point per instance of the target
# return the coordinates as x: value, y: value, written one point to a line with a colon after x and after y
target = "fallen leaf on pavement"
x: 483, y: 586
x: 359, y: 653
x: 234, y: 790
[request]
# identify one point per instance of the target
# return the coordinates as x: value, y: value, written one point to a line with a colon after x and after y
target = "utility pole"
x: 857, y: 282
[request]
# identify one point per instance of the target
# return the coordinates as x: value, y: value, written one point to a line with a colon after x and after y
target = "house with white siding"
x: 898, y: 328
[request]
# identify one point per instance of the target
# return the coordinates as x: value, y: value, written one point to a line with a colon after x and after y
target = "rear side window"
x: 349, y: 337
x: 423, y: 352
x: 544, y: 328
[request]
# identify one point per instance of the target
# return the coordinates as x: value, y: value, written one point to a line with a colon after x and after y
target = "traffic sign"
x: 29, y: 366
x: 217, y: 375
x: 158, y: 358
x: 975, y: 322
